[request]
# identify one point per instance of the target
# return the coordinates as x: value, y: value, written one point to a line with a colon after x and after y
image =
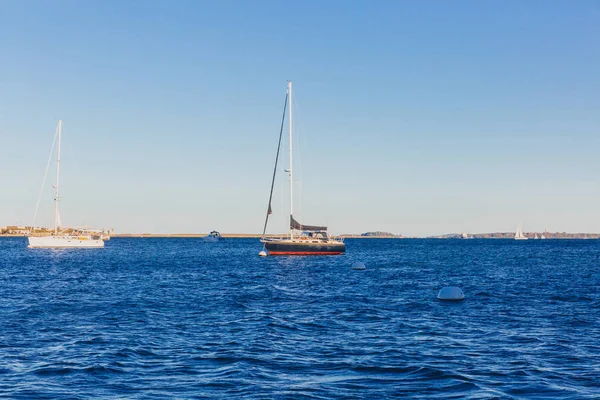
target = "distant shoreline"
x: 229, y: 235
x: 199, y: 235
x: 562, y: 235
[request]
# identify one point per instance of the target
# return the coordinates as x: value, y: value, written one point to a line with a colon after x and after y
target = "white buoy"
x: 358, y: 266
x: 262, y: 253
x: 451, y: 293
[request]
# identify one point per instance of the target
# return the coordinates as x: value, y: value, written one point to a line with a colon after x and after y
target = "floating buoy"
x: 262, y: 253
x: 451, y: 293
x: 358, y: 266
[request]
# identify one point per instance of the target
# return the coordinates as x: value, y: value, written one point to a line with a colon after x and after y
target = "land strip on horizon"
x: 496, y: 235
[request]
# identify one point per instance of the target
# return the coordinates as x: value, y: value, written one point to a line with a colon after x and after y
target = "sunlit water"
x: 156, y: 318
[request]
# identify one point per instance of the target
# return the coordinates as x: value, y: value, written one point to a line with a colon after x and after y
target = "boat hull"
x: 300, y: 248
x: 51, y: 242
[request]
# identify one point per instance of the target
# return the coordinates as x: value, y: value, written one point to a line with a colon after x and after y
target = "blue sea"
x: 180, y: 318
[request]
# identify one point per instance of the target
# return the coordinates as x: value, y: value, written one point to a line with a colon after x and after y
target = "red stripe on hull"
x: 304, y: 253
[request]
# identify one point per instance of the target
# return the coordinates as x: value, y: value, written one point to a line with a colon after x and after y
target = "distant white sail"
x: 519, y: 234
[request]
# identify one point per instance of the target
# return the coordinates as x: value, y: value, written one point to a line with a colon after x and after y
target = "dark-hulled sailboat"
x: 303, y: 239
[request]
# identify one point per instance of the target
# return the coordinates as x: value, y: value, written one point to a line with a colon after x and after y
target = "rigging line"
x: 299, y: 141
x: 282, y: 212
x: 44, y: 181
x: 300, y: 190
x: 301, y: 137
x: 301, y: 145
x: 269, y: 211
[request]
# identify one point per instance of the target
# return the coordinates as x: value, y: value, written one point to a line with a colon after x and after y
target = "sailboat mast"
x: 291, y: 174
x: 57, y: 179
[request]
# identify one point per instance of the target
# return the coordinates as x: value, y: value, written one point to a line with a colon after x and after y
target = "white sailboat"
x: 62, y: 238
x: 519, y: 234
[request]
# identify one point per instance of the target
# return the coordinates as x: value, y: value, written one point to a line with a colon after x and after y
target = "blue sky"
x: 413, y: 117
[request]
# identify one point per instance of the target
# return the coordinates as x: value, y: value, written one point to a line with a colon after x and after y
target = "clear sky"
x: 417, y: 118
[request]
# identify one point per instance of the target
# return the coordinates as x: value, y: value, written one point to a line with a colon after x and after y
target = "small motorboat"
x: 212, y: 237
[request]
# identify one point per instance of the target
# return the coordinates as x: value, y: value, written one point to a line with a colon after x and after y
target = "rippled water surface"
x: 156, y: 318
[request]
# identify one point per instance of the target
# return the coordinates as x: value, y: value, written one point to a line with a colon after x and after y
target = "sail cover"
x: 297, y: 225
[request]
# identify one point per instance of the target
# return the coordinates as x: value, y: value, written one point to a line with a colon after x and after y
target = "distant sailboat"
x: 519, y: 234
x: 78, y: 238
x: 536, y: 236
x: 543, y: 234
x: 303, y: 239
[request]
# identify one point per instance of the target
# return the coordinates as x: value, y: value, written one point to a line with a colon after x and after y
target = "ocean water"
x: 179, y: 318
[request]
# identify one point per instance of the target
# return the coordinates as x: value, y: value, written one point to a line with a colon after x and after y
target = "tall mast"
x: 57, y: 179
x: 291, y: 174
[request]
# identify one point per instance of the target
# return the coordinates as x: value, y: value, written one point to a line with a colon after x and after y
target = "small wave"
x: 92, y: 341
x: 50, y: 371
x: 102, y: 369
x: 571, y: 299
x: 375, y: 369
x: 127, y: 352
x: 94, y: 370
